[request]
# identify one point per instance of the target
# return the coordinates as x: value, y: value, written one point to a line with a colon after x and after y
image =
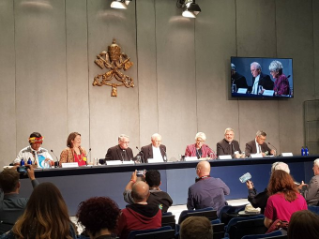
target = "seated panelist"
x: 258, y: 145
x: 229, y: 146
x: 40, y: 157
x: 199, y: 149
x: 155, y: 150
x: 121, y: 151
x: 74, y: 152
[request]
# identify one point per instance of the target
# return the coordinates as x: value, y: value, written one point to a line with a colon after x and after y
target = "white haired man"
x: 121, y: 151
x: 311, y: 190
x: 260, y: 81
x: 260, y: 199
x: 229, y: 146
x: 155, y: 150
x: 199, y: 149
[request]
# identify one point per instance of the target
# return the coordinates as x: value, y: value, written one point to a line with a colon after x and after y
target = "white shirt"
x: 255, y: 86
x: 258, y: 147
x: 157, y: 153
x: 36, y: 156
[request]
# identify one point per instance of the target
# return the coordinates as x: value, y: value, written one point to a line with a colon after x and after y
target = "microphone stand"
x: 56, y: 163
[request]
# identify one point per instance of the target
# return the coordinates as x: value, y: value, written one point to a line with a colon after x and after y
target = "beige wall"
x: 181, y: 71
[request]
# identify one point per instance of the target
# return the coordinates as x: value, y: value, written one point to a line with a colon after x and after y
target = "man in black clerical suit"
x: 121, y: 151
x: 238, y: 79
x: 258, y: 145
x: 155, y: 150
x: 259, y: 79
x: 229, y: 146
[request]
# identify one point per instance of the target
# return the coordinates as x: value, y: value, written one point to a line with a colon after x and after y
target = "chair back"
x: 247, y: 227
x: 228, y: 212
x: 163, y: 233
x: 209, y: 212
x: 314, y: 209
x: 257, y: 236
x: 5, y: 226
x: 218, y: 230
x: 168, y: 220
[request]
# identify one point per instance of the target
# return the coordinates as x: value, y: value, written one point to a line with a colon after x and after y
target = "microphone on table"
x: 141, y: 153
x: 57, y: 160
x: 90, y: 154
x: 165, y: 156
x: 273, y: 147
x: 86, y: 162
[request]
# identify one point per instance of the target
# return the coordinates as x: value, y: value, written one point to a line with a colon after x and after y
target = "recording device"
x: 56, y: 163
x: 22, y: 170
x: 165, y: 156
x: 245, y: 178
x: 272, y: 146
x: 140, y: 173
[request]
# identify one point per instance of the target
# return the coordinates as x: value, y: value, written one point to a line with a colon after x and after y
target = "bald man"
x: 155, y: 150
x: 140, y: 215
x: 207, y: 191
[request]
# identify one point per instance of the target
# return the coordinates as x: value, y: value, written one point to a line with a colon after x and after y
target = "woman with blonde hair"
x: 284, y: 198
x: 45, y: 217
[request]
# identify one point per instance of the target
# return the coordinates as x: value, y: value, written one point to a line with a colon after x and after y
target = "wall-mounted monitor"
x: 261, y: 78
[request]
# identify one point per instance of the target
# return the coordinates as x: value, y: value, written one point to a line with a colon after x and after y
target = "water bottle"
x: 29, y: 161
x: 22, y: 162
x: 302, y: 151
x: 306, y: 151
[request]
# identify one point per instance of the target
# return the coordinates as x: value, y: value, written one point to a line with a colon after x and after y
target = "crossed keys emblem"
x: 114, y: 61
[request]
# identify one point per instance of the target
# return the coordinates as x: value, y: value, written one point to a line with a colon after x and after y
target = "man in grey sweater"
x: 311, y: 191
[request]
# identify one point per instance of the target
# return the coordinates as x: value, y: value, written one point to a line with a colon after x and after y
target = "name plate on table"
x: 113, y: 162
x: 242, y: 91
x: 70, y: 165
x: 155, y: 160
x: 256, y: 156
x: 128, y: 162
x: 191, y: 158
x: 268, y: 93
x: 225, y: 157
x: 286, y: 154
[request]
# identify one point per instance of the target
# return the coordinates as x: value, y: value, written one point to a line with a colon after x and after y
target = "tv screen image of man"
x: 260, y: 81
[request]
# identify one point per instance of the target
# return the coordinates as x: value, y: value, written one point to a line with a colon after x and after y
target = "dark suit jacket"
x: 239, y: 80
x: 224, y: 148
x: 147, y: 152
x: 115, y: 153
x: 264, y: 81
x: 251, y: 148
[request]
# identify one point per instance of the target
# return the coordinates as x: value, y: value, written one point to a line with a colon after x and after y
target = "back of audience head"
x: 203, y: 168
x: 303, y: 224
x: 98, y: 215
x: 140, y: 192
x: 9, y: 180
x: 195, y: 227
x: 153, y: 178
x: 280, y: 166
x: 280, y: 181
x: 46, y: 215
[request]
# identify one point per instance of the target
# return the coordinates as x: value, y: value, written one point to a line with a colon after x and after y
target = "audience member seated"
x: 207, y: 191
x: 284, y: 198
x: 98, y: 216
x: 260, y: 199
x: 258, y: 145
x: 46, y: 216
x: 311, y: 191
x: 74, y: 152
x: 40, y: 157
x: 303, y: 224
x: 140, y: 215
x: 11, y: 204
x: 196, y: 228
x: 199, y: 149
x: 121, y: 151
x: 157, y: 197
x: 155, y: 150
x: 229, y: 146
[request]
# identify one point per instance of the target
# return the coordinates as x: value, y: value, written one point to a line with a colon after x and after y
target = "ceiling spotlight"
x: 190, y: 8
x: 120, y: 4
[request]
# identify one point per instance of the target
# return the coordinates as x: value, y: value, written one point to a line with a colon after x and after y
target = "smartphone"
x: 141, y: 173
x: 245, y: 178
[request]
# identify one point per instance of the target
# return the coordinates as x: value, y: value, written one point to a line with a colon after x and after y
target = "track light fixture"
x: 120, y: 4
x: 190, y: 8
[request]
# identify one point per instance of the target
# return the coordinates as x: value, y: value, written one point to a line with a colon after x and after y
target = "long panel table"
x: 79, y: 184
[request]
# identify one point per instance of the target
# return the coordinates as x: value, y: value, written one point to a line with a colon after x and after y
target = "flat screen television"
x: 261, y: 78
